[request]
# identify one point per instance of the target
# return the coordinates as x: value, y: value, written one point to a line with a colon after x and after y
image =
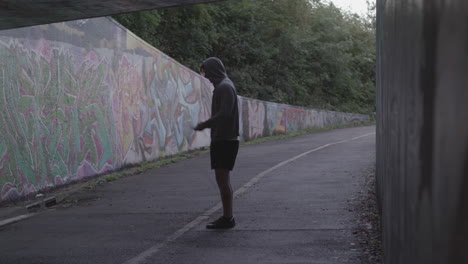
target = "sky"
x: 355, y: 6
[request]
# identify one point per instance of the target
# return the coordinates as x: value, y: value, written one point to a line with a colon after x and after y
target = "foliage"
x: 297, y: 52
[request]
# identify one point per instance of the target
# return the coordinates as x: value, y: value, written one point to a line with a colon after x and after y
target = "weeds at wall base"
x: 142, y: 167
x: 91, y: 183
x: 304, y: 132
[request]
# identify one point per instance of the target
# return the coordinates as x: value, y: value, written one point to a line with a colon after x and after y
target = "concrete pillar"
x: 422, y: 142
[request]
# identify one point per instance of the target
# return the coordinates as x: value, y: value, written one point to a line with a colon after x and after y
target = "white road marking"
x: 15, y: 219
x: 206, y: 215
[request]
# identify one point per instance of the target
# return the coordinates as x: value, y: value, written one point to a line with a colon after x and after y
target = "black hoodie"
x: 224, y: 121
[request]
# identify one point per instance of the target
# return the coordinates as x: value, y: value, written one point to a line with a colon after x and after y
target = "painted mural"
x: 86, y: 97
x: 262, y: 119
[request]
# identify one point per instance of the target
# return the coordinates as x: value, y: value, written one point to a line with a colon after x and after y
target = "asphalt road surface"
x: 291, y: 206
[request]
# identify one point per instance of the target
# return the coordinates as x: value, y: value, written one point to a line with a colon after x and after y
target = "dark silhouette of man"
x: 224, y: 125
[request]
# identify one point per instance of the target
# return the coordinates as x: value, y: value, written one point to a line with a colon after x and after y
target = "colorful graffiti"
x: 85, y: 101
x: 262, y: 119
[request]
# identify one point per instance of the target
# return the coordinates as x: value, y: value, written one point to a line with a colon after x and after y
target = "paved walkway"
x: 291, y: 207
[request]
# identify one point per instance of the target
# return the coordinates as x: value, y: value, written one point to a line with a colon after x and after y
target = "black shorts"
x: 223, y: 154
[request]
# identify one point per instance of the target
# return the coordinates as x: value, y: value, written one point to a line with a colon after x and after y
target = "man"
x: 224, y: 124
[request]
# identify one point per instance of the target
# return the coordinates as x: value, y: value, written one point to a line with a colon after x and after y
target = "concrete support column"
x: 422, y: 168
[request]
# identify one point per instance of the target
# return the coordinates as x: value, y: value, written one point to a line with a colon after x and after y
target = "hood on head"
x: 214, y: 70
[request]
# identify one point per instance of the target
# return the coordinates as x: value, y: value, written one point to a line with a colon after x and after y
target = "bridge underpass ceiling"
x: 22, y: 13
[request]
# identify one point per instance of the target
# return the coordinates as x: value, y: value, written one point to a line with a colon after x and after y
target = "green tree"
x: 299, y: 52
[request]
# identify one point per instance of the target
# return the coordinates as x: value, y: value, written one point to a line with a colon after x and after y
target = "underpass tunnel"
x: 422, y: 115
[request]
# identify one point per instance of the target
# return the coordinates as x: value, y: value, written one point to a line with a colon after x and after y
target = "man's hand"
x: 199, y: 127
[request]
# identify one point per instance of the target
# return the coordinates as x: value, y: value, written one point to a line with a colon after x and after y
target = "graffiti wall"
x: 262, y: 119
x: 86, y: 97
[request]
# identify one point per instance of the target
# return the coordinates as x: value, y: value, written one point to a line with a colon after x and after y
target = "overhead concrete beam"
x: 23, y: 13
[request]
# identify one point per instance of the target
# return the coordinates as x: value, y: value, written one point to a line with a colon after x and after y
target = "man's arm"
x: 225, y: 96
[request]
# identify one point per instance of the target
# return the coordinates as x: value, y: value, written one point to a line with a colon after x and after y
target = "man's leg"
x: 223, y: 154
x: 225, y: 190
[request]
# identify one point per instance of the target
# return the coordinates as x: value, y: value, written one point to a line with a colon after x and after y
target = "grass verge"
x: 303, y: 132
x: 91, y: 183
x: 145, y: 166
x: 142, y: 167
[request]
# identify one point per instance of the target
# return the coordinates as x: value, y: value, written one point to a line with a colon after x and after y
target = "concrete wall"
x: 422, y: 147
x: 23, y: 13
x: 262, y: 119
x: 87, y: 97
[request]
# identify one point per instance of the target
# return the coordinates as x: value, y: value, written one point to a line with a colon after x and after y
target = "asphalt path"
x: 291, y: 206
